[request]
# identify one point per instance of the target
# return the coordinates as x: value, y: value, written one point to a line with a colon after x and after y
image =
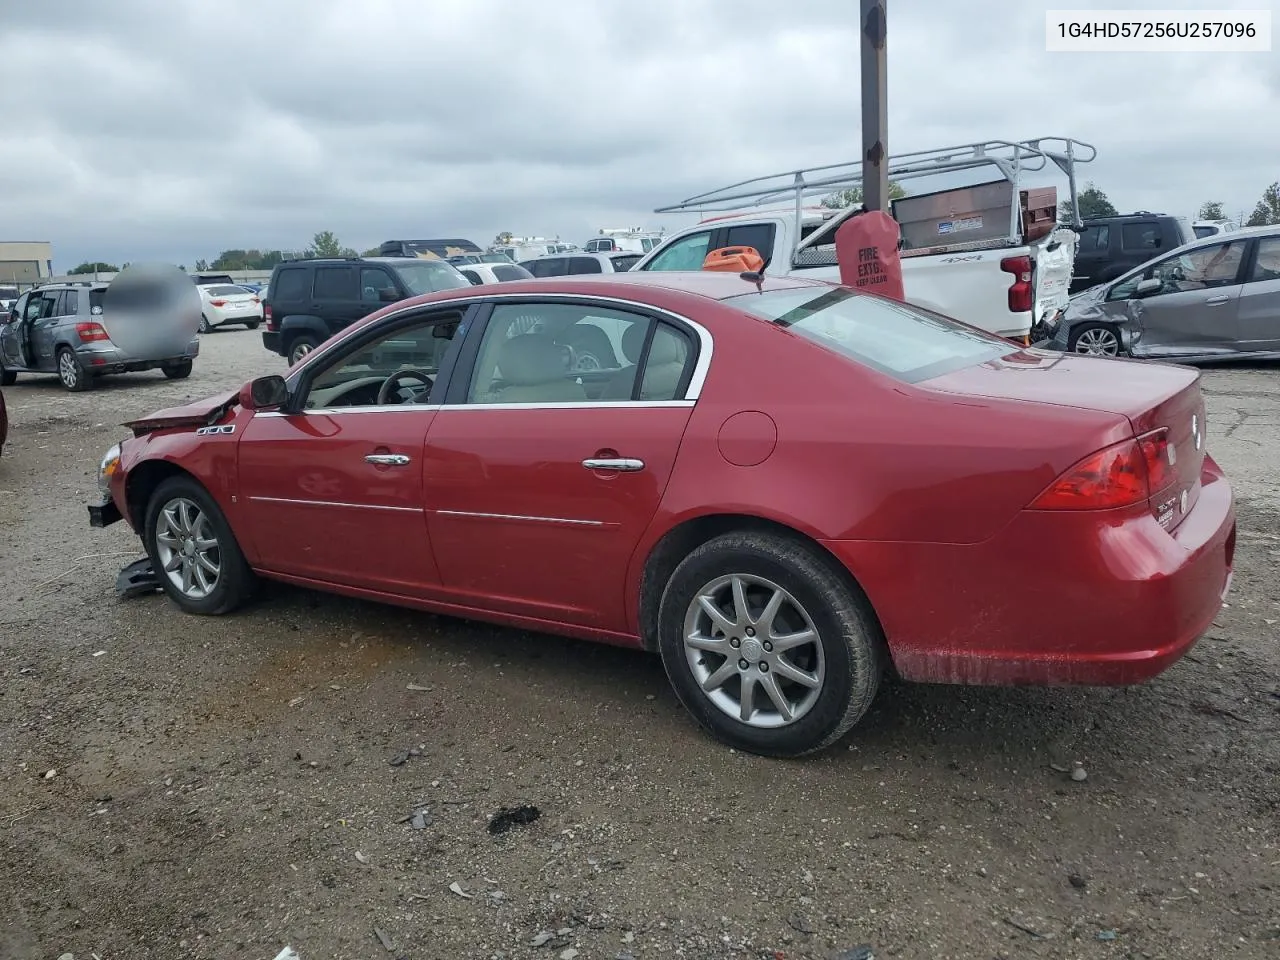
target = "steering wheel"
x: 384, y: 391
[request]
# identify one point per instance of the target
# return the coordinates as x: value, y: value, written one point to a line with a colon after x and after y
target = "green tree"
x: 372, y: 252
x: 1268, y: 209
x: 202, y: 266
x: 852, y: 197
x: 1093, y: 203
x: 247, y: 259
x: 97, y: 267
x: 1210, y: 210
x: 325, y: 244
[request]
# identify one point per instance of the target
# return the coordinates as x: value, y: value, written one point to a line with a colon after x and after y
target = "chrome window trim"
x: 706, y: 343
x: 436, y: 408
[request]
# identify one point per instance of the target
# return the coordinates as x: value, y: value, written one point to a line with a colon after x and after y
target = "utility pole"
x: 875, y: 127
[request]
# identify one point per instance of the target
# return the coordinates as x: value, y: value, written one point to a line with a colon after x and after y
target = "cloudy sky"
x: 174, y: 129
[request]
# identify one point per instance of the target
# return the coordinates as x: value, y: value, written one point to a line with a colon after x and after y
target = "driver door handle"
x: 622, y: 464
x: 387, y: 459
x: 1214, y: 301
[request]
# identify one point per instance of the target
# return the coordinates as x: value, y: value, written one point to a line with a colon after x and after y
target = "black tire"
x: 1100, y: 334
x: 177, y: 371
x: 71, y: 373
x: 252, y: 324
x: 205, y: 325
x: 300, y: 346
x: 853, y: 654
x: 235, y: 582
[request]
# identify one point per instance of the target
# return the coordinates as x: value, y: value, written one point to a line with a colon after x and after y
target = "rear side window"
x: 896, y: 339
x: 756, y: 235
x: 68, y: 304
x: 335, y: 283
x: 551, y: 267
x: 472, y: 276
x: 291, y: 284
x: 1140, y: 236
x: 579, y: 265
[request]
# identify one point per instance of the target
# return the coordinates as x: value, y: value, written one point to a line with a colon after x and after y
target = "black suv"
x: 308, y: 301
x: 1110, y: 246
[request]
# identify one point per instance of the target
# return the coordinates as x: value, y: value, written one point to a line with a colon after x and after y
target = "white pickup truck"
x: 989, y: 254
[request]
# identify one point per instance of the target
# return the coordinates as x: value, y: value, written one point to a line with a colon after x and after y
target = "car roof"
x: 705, y: 284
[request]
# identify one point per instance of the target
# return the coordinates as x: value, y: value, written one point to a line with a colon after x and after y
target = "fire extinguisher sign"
x: 867, y: 252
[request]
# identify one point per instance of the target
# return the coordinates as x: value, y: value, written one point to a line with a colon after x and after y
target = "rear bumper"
x: 1057, y: 597
x: 271, y: 340
x: 106, y: 357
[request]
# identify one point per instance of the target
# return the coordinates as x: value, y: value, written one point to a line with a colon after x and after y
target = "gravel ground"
x: 178, y: 787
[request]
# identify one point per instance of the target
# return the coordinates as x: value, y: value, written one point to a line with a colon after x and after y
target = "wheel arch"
x: 691, y: 533
x: 141, y: 483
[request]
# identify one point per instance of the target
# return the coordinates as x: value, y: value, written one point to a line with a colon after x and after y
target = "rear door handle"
x: 387, y: 459
x: 1215, y: 301
x: 621, y: 464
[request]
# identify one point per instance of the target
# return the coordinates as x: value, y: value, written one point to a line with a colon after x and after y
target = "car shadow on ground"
x: 940, y: 723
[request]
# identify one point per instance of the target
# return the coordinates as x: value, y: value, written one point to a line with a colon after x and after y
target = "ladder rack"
x: 1012, y: 158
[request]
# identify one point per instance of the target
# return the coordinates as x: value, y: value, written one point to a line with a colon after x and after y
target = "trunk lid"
x: 197, y: 414
x: 1150, y: 396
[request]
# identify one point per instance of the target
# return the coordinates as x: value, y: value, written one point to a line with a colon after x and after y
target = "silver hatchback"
x: 59, y: 328
x: 1214, y: 298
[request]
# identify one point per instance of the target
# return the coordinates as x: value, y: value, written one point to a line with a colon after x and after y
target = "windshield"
x: 897, y: 339
x: 428, y: 276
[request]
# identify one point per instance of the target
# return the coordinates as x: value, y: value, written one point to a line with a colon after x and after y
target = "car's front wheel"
x: 768, y: 645
x: 193, y: 552
x: 1095, y: 340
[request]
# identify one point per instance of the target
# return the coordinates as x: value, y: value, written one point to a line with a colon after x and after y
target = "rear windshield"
x: 428, y: 276
x: 506, y: 272
x: 225, y: 291
x: 626, y: 262
x: 95, y: 299
x: 897, y: 339
x: 8, y: 293
x: 1202, y: 232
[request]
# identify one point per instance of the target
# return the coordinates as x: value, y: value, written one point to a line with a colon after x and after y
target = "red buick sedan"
x: 784, y: 488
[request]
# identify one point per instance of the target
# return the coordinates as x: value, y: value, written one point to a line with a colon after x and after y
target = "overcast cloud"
x: 174, y: 129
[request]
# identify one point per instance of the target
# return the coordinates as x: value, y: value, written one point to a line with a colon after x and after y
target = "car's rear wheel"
x: 253, y: 324
x: 194, y: 554
x: 205, y: 325
x: 73, y: 376
x: 177, y: 371
x: 300, y: 346
x: 768, y: 645
x: 1096, y: 340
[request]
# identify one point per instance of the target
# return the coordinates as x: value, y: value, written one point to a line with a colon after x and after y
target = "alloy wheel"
x: 299, y: 351
x: 188, y: 548
x: 754, y: 651
x: 1098, y: 342
x: 68, y: 372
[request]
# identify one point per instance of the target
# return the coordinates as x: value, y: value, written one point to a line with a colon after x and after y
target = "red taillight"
x: 1120, y: 475
x: 217, y: 303
x: 1020, y: 291
x: 266, y: 315
x: 88, y: 332
x: 1160, y: 460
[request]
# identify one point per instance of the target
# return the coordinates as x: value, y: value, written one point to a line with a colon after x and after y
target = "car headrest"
x: 666, y: 347
x: 529, y: 359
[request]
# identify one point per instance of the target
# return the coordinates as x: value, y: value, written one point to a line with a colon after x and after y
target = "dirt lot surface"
x: 179, y: 787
